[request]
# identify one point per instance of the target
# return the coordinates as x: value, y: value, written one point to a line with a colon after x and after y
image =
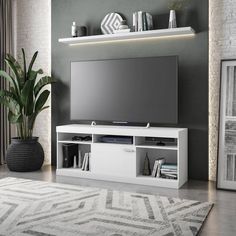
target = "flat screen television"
x: 125, y: 90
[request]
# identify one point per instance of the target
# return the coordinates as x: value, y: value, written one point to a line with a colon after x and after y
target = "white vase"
x: 80, y: 160
x: 75, y: 164
x: 172, y: 19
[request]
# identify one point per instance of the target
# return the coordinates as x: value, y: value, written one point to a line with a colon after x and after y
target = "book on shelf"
x: 142, y: 21
x: 156, y: 172
x: 84, y: 160
x: 167, y: 176
x: 168, y: 172
x: 169, y: 166
x: 85, y: 165
x: 149, y: 21
x: 88, y: 162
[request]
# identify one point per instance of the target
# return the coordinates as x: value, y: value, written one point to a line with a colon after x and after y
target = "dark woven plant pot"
x: 25, y: 155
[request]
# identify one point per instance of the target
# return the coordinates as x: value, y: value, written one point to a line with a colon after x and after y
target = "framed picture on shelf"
x: 226, y: 168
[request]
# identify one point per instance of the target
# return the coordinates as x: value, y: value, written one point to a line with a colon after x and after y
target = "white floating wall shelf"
x: 143, y: 35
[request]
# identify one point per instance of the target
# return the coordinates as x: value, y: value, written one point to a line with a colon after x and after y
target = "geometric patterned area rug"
x: 40, y: 208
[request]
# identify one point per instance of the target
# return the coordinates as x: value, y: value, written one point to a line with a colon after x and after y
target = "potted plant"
x: 175, y: 5
x: 25, y: 99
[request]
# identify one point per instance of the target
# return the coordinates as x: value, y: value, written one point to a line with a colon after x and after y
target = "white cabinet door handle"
x: 129, y: 150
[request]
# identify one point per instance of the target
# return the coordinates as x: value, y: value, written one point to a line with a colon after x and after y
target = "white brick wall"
x: 33, y: 33
x: 222, y: 45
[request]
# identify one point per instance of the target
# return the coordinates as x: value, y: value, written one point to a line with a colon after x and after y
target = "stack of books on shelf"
x: 85, y: 165
x: 169, y: 171
x: 142, y: 21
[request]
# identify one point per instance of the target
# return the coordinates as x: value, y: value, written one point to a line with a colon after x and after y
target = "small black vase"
x: 146, y: 167
x: 25, y: 155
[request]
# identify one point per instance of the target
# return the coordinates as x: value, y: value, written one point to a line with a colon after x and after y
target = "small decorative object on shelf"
x: 111, y: 22
x: 142, y: 21
x: 75, y: 162
x: 172, y: 19
x: 78, y: 31
x: 121, y: 31
x: 123, y: 25
x: 175, y: 5
x: 123, y: 28
x: 81, y: 31
x: 146, y: 167
x: 74, y: 30
x: 79, y: 160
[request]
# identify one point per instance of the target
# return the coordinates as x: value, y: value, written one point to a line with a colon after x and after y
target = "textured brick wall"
x: 222, y: 45
x: 33, y: 33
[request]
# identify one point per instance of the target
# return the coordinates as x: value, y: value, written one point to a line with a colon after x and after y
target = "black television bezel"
x: 116, y: 122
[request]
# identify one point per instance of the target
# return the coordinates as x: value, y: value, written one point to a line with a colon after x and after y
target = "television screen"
x: 125, y: 90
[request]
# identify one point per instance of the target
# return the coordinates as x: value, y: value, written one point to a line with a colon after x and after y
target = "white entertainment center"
x: 124, y: 162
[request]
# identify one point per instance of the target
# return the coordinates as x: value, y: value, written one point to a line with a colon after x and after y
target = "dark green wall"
x: 192, y: 52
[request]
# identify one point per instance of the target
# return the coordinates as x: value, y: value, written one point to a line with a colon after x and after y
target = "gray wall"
x: 192, y: 52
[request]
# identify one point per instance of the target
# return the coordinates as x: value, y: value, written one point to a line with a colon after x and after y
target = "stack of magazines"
x: 169, y: 171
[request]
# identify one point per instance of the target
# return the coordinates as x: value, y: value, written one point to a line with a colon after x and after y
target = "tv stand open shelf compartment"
x: 124, y: 162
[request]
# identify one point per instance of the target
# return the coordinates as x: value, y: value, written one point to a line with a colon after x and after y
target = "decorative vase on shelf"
x: 172, y: 19
x: 79, y: 160
x: 146, y: 167
x: 75, y: 162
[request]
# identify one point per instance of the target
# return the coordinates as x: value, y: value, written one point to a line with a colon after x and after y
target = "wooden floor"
x: 220, y: 222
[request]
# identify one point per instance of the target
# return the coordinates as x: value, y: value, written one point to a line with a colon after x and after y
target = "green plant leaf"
x: 15, y: 66
x: 14, y: 118
x: 32, y: 63
x: 33, y: 74
x: 43, y: 82
x: 41, y: 100
x: 32, y: 118
x: 16, y: 69
x: 24, y: 62
x: 11, y: 104
x: 12, y: 90
x: 9, y: 78
x: 5, y: 93
x: 27, y: 97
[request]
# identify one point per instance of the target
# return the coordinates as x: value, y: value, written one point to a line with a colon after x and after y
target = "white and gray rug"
x: 48, y: 209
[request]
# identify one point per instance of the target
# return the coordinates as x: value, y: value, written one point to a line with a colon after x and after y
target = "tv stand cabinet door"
x: 113, y: 159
